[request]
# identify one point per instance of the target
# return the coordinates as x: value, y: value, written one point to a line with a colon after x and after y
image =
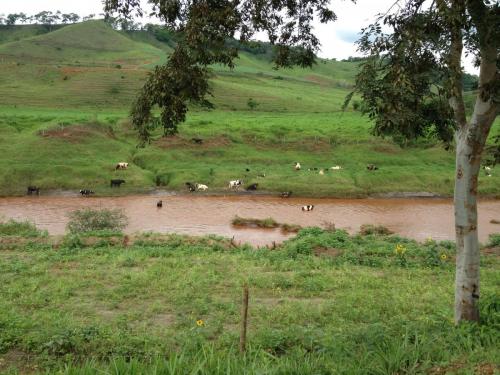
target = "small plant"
x: 255, y: 223
x: 118, y: 66
x: 494, y: 240
x: 20, y: 228
x: 252, y: 104
x: 379, y: 230
x: 87, y: 220
x: 290, y: 228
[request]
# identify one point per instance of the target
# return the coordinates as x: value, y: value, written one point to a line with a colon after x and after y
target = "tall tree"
x: 398, y: 82
x: 412, y: 84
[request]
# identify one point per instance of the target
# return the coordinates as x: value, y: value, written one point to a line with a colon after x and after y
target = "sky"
x: 337, y: 38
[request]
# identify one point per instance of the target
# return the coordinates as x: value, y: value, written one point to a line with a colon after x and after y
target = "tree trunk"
x: 471, y: 139
x: 467, y: 267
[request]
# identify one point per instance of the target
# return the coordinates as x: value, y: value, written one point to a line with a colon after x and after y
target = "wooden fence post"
x: 244, y: 320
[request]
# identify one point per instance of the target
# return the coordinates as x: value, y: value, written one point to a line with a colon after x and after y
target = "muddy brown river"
x: 200, y: 215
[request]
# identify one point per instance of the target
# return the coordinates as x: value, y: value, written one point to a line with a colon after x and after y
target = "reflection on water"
x: 199, y: 215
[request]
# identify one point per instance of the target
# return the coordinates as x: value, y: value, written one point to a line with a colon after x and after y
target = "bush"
x: 367, y: 229
x: 88, y: 220
x: 20, y: 228
x: 494, y: 240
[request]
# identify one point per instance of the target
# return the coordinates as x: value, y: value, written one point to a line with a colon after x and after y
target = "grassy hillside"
x: 64, y: 98
x: 322, y: 303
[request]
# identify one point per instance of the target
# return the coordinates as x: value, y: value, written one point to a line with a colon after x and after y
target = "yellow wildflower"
x: 200, y: 323
x: 400, y: 249
x: 443, y: 257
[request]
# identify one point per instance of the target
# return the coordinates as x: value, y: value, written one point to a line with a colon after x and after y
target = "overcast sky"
x: 337, y: 38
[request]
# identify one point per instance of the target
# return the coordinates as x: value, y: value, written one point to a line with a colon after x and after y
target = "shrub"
x: 87, y: 220
x: 260, y: 223
x: 252, y: 104
x: 380, y: 230
x: 20, y: 228
x: 494, y: 240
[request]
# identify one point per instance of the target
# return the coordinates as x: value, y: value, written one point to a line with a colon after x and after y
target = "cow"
x: 487, y: 170
x: 117, y: 183
x: 191, y: 187
x: 371, y: 167
x: 286, y: 194
x: 201, y: 187
x: 33, y: 189
x: 309, y: 207
x: 86, y: 192
x: 297, y: 166
x: 252, y: 187
x: 336, y: 168
x: 121, y: 165
x: 235, y: 184
x: 321, y: 172
x: 159, y: 204
x: 198, y: 141
x: 261, y: 175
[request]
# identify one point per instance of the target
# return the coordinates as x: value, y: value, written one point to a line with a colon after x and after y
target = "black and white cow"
x: 86, y: 192
x: 235, y: 184
x: 309, y: 207
x: 191, y: 187
x: 121, y: 165
x: 371, y: 167
x: 33, y: 190
x: 286, y: 194
x: 117, y: 182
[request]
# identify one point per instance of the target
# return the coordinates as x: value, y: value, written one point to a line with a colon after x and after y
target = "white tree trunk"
x: 467, y: 267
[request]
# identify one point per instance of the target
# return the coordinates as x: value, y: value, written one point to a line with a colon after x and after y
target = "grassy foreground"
x: 322, y: 303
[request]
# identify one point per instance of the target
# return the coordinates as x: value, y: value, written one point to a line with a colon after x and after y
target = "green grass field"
x: 324, y: 302
x: 65, y: 95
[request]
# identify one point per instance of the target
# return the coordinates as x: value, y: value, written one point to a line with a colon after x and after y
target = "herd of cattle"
x: 233, y: 184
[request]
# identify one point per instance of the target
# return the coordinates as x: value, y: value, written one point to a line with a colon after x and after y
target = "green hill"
x: 90, y: 65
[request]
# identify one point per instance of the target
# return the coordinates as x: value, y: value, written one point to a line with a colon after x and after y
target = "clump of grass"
x: 379, y: 230
x: 255, y: 223
x: 290, y: 228
x: 89, y: 220
x: 494, y: 221
x: 494, y: 240
x: 20, y: 228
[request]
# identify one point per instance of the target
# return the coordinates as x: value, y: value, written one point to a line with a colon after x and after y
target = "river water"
x: 415, y: 218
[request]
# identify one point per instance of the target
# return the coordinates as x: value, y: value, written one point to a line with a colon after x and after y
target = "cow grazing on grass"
x: 33, y: 190
x: 252, y: 187
x: 86, y: 192
x: 235, y: 184
x: 309, y: 207
x: 121, y: 165
x: 198, y: 141
x: 201, y: 187
x: 321, y: 172
x: 487, y: 170
x: 191, y: 187
x: 117, y: 183
x: 297, y: 166
x: 371, y: 167
x: 286, y: 194
x: 159, y: 204
x: 336, y: 168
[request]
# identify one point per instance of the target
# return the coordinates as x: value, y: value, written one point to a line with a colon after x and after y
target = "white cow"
x: 297, y: 166
x: 201, y: 187
x: 321, y: 172
x: 336, y: 168
x: 309, y: 207
x: 121, y: 165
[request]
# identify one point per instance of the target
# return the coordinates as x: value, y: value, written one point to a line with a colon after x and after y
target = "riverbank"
x: 62, y: 150
x: 171, y: 304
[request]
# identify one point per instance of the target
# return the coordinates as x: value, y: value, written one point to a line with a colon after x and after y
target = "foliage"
x: 87, y: 220
x: 20, y: 228
x: 260, y: 223
x: 494, y: 240
x: 368, y: 229
x: 252, y: 104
